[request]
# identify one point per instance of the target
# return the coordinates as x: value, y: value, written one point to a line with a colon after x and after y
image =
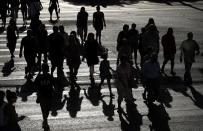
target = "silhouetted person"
x: 10, y: 112
x: 28, y: 43
x: 65, y: 36
x: 82, y: 19
x: 3, y: 118
x: 12, y: 36
x: 150, y: 22
x: 24, y: 10
x: 98, y: 23
x: 108, y: 110
x: 74, y: 101
x: 105, y: 73
x: 169, y: 48
x: 45, y: 89
x: 133, y: 39
x: 35, y: 24
x: 54, y: 5
x: 56, y: 44
x: 151, y: 74
x: 141, y: 46
x: 123, y: 45
x: 14, y: 8
x: 3, y: 11
x: 91, y: 46
x: 73, y: 58
x: 34, y: 7
x: 151, y: 38
x: 42, y: 45
x: 189, y: 48
x: 123, y: 81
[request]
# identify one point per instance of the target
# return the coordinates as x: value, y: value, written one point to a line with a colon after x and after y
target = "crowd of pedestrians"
x: 59, y: 46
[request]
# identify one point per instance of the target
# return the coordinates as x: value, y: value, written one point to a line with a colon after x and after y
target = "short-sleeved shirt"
x: 188, y: 47
x: 169, y: 45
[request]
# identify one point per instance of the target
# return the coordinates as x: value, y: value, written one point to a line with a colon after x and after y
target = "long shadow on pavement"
x: 131, y: 120
x: 26, y: 90
x: 175, y: 83
x: 197, y: 97
x: 158, y: 116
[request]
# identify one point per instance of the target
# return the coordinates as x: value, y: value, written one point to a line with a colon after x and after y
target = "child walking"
x: 105, y: 72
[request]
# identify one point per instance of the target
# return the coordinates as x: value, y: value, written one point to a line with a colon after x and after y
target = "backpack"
x: 3, y: 119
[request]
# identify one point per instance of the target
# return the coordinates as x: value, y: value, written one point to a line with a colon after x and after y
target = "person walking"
x: 12, y: 36
x: 123, y: 81
x: 56, y: 45
x: 169, y: 48
x: 3, y: 12
x: 151, y: 76
x: 133, y: 39
x: 45, y: 92
x: 42, y: 45
x: 24, y: 10
x: 3, y: 118
x: 14, y: 9
x: 189, y: 48
x: 10, y: 112
x: 151, y: 38
x: 28, y: 43
x: 73, y: 59
x: 54, y: 5
x: 123, y: 44
x: 91, y: 47
x: 82, y: 19
x: 105, y: 73
x: 98, y: 23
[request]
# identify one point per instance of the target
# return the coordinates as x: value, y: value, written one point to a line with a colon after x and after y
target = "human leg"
x: 109, y: 85
x: 187, y: 75
x: 172, y: 66
x: 164, y: 63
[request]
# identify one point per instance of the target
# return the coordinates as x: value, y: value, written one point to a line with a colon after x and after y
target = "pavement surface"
x: 185, y: 104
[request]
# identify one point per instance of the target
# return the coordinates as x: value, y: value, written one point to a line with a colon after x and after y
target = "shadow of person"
x: 165, y: 97
x: 58, y: 103
x: 8, y: 68
x: 74, y: 101
x: 175, y: 83
x: 26, y: 89
x: 93, y: 95
x: 158, y: 117
x: 131, y: 120
x: 197, y: 97
x: 108, y: 110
